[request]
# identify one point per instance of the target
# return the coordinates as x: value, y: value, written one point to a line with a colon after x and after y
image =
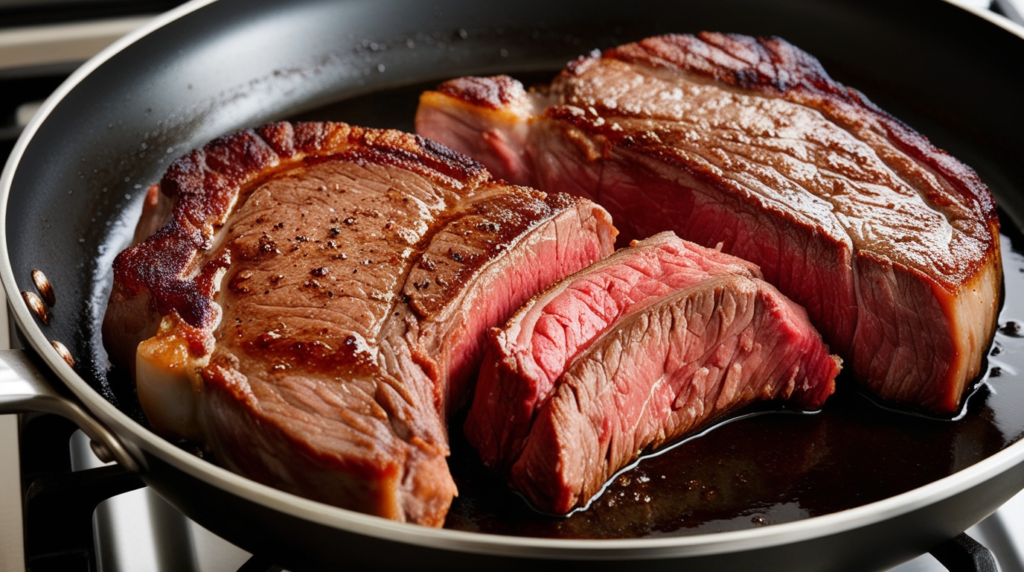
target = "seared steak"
x: 317, y: 300
x: 890, y: 244
x: 645, y: 346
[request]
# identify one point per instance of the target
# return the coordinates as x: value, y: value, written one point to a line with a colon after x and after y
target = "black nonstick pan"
x: 856, y: 487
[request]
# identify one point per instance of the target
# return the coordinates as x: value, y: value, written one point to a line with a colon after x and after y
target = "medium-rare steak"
x: 317, y: 301
x: 644, y: 346
x: 890, y: 244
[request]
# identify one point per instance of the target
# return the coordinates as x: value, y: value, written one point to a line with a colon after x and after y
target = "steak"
x: 315, y: 304
x: 891, y: 244
x: 643, y: 347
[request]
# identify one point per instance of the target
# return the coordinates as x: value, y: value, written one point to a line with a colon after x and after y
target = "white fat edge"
x: 515, y: 118
x: 534, y: 103
x: 168, y: 376
x: 168, y: 382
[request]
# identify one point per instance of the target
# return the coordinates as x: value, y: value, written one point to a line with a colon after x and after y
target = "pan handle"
x: 24, y: 389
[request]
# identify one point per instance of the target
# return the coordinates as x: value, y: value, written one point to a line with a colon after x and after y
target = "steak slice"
x: 643, y: 347
x: 890, y: 244
x: 317, y: 301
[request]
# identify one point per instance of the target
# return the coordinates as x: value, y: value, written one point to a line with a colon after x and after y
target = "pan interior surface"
x: 225, y: 68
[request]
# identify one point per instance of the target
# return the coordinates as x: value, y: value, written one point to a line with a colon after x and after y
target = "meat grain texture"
x: 648, y: 345
x: 314, y: 302
x: 891, y: 244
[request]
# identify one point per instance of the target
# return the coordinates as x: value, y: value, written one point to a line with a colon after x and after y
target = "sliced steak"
x: 643, y: 347
x: 891, y: 244
x: 317, y: 301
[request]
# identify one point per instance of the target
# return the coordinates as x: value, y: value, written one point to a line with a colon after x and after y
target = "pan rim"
x: 141, y: 441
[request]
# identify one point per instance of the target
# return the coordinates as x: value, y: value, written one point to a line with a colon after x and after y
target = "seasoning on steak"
x: 890, y: 244
x: 318, y: 300
x: 643, y: 347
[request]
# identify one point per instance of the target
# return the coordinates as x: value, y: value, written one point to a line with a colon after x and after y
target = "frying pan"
x: 73, y: 185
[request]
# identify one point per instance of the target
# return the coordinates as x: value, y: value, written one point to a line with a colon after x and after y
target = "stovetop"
x: 61, y: 508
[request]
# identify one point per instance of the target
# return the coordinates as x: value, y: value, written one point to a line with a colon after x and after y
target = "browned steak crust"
x: 314, y: 305
x: 891, y: 244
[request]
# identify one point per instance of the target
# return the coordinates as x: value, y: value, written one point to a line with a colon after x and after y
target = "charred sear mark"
x: 44, y: 287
